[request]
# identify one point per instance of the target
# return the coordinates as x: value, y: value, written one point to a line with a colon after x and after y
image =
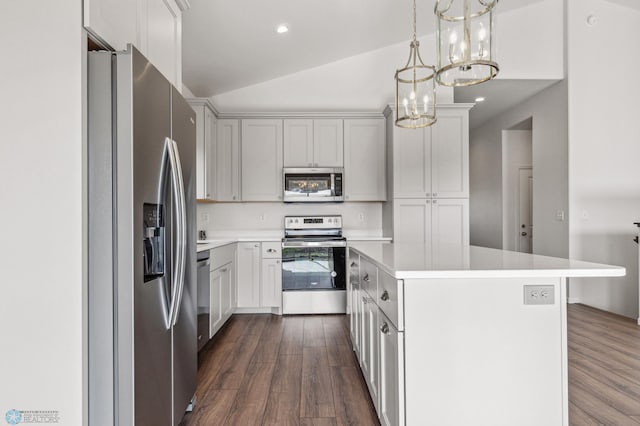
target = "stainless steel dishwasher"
x: 203, y: 298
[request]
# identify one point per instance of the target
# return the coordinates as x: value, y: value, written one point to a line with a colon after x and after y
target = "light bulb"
x: 426, y: 102
x: 453, y: 38
x: 412, y: 95
x: 482, y: 33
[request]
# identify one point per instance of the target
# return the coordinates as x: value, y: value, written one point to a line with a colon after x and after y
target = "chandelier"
x: 464, y: 35
x: 415, y: 89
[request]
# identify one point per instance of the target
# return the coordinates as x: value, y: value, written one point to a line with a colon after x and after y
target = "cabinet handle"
x: 271, y: 250
x: 384, y: 328
x: 385, y: 295
x: 435, y: 195
x: 224, y: 270
x: 257, y: 245
x: 354, y: 264
x: 365, y: 278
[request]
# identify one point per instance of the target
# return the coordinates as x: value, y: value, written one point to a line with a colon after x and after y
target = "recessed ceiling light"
x: 480, y: 99
x: 282, y: 28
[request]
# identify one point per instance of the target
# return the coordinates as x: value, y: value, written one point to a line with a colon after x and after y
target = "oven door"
x: 319, y: 266
x: 312, y: 185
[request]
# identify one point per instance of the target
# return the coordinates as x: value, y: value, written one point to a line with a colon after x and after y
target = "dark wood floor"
x: 300, y: 370
x: 604, y: 368
x: 271, y: 370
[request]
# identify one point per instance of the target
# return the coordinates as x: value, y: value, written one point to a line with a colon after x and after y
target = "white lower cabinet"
x: 215, y: 303
x: 222, y: 282
x: 431, y: 221
x: 391, y: 380
x: 259, y: 276
x: 378, y: 344
x: 249, y: 275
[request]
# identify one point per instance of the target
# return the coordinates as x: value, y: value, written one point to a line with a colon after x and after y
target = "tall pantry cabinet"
x: 428, y: 179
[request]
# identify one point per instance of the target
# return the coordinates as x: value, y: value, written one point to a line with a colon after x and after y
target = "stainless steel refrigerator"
x: 142, y: 244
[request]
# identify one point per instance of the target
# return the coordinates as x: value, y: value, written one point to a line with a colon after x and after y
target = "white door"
x: 412, y: 220
x: 227, y: 157
x: 328, y: 143
x: 225, y: 290
x: 271, y: 283
x: 371, y: 318
x: 412, y: 163
x: 215, y: 307
x: 391, y: 410
x: 161, y: 37
x: 449, y: 222
x: 298, y: 143
x: 262, y: 160
x: 248, y: 278
x: 364, y: 160
x: 450, y: 154
x: 525, y: 210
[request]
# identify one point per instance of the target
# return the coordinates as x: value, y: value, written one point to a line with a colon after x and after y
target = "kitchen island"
x: 463, y: 335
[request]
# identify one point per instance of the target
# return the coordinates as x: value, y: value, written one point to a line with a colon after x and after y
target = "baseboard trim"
x: 572, y: 300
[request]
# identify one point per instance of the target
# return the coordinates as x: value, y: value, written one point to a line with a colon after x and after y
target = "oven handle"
x: 296, y: 244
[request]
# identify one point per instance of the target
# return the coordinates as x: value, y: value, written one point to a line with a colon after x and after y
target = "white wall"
x: 604, y: 148
x: 42, y: 216
x: 365, y: 82
x: 244, y: 219
x: 548, y: 110
x: 516, y: 153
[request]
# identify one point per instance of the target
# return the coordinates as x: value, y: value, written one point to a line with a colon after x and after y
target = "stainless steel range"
x: 313, y: 265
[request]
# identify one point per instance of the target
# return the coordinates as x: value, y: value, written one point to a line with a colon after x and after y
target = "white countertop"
x: 407, y: 261
x: 214, y: 243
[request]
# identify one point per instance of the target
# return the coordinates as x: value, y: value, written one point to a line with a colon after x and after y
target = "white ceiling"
x: 500, y: 95
x: 232, y: 44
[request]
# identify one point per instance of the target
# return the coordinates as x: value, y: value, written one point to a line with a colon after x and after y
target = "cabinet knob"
x: 354, y: 264
x: 364, y: 300
x: 435, y: 201
x: 234, y: 197
x: 208, y: 195
x: 365, y: 278
x: 257, y: 245
x: 385, y: 295
x: 428, y: 194
x: 223, y: 270
x: 435, y: 195
x: 277, y: 261
x: 384, y: 328
x: 271, y: 251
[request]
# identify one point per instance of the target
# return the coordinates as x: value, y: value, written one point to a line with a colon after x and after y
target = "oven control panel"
x: 312, y: 222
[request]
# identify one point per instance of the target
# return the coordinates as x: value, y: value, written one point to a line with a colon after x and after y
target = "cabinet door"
x: 233, y: 288
x: 365, y: 335
x: 225, y: 290
x: 227, y: 161
x: 161, y: 37
x: 412, y: 220
x: 113, y: 21
x: 412, y: 163
x: 205, y: 151
x: 356, y: 320
x: 298, y: 143
x: 371, y: 318
x: 328, y: 143
x: 248, y: 275
x: 215, y: 304
x: 450, y: 154
x: 391, y: 345
x: 352, y: 286
x: 262, y: 161
x: 364, y: 160
x: 271, y: 283
x: 450, y: 221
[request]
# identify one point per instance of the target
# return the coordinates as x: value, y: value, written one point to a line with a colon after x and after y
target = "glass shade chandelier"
x: 466, y: 49
x: 415, y: 89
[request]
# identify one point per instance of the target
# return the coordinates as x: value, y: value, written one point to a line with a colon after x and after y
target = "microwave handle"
x: 333, y: 184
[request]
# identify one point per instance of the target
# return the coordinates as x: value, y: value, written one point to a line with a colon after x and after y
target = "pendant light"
x: 466, y: 49
x: 415, y: 89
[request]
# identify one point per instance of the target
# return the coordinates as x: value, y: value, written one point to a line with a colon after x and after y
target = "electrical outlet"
x: 361, y: 217
x: 560, y: 215
x: 262, y: 217
x: 539, y: 295
x: 205, y: 217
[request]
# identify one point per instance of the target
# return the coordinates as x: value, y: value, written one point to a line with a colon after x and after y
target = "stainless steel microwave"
x: 312, y: 185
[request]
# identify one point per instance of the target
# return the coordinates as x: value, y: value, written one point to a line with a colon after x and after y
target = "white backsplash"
x: 267, y: 219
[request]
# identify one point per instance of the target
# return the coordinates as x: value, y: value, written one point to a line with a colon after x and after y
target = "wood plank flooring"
x: 271, y: 370
x: 300, y: 370
x: 604, y: 368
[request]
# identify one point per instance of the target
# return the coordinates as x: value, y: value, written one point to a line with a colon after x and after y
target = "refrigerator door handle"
x: 182, y: 240
x: 178, y: 196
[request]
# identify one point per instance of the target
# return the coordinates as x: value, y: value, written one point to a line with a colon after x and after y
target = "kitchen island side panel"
x: 476, y: 354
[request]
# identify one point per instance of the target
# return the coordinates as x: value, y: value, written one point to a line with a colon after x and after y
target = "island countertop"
x: 416, y: 261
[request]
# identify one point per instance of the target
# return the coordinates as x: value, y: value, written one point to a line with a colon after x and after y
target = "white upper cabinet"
x: 450, y: 154
x: 298, y: 143
x: 412, y: 220
x: 313, y: 143
x: 114, y: 22
x: 205, y: 149
x: 328, y: 143
x: 433, y: 162
x: 364, y: 159
x: 412, y: 163
x: 262, y: 160
x: 227, y: 159
x: 153, y: 26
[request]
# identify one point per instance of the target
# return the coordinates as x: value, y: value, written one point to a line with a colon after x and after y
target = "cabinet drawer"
x: 391, y: 298
x: 222, y: 255
x: 368, y: 277
x: 272, y: 250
